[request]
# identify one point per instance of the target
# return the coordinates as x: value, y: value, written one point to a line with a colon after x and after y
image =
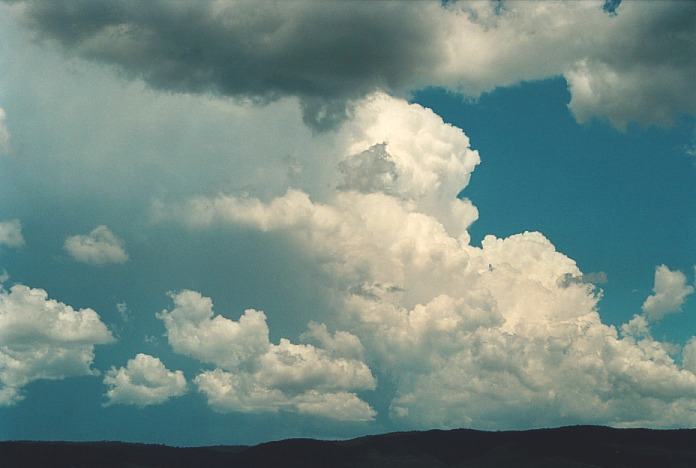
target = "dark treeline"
x: 579, y: 446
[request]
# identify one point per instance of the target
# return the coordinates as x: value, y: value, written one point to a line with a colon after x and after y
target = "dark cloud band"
x: 630, y: 62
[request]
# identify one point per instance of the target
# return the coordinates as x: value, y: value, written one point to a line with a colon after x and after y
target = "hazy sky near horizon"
x: 229, y: 222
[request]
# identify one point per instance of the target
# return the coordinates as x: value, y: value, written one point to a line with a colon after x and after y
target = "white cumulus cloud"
x: 669, y: 293
x: 506, y: 334
x: 340, y: 343
x: 41, y: 338
x: 255, y: 375
x: 144, y: 381
x: 11, y: 233
x: 99, y: 247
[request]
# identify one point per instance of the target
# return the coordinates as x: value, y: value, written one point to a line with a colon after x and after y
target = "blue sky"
x: 140, y: 175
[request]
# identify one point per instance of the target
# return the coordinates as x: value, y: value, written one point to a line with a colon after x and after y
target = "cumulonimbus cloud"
x: 633, y: 64
x: 506, y: 334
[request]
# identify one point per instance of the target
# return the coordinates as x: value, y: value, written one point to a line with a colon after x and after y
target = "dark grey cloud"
x: 324, y: 53
x: 631, y: 61
x: 644, y: 70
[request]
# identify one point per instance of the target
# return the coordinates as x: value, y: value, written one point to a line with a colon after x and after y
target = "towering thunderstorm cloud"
x: 289, y: 122
x: 493, y: 336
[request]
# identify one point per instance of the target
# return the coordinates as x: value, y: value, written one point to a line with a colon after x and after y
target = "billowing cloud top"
x: 634, y: 64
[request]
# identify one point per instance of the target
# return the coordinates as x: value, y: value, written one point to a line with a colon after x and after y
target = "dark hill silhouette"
x: 578, y: 446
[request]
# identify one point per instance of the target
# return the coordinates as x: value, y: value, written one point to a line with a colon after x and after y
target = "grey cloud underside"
x: 631, y: 65
x: 325, y: 53
x: 644, y: 73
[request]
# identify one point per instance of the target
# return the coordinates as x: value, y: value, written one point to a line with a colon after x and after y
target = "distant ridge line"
x: 566, y: 446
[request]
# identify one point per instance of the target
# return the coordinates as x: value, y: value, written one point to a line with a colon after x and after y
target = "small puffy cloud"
x: 4, y: 134
x: 99, y: 247
x: 669, y: 293
x: 144, y: 381
x: 41, y: 338
x: 254, y: 375
x: 11, y: 233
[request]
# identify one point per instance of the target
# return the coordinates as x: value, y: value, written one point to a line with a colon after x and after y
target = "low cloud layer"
x: 503, y: 335
x: 99, y: 247
x: 631, y: 65
x: 254, y: 375
x: 41, y: 338
x: 143, y: 381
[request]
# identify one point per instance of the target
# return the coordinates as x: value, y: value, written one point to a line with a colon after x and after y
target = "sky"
x: 232, y: 222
